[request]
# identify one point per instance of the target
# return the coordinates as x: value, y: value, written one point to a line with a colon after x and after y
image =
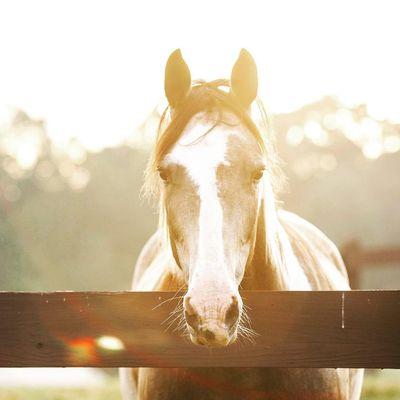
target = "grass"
x: 377, y: 386
x: 107, y: 392
x: 382, y: 385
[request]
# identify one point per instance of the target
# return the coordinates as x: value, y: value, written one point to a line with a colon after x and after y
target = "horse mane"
x: 210, y: 97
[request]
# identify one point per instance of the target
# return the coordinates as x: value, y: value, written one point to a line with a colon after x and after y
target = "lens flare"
x: 111, y: 343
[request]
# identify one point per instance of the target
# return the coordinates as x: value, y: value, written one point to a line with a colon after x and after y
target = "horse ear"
x: 177, y: 78
x: 244, y: 80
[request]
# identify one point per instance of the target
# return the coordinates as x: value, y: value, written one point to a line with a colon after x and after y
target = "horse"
x: 214, y: 175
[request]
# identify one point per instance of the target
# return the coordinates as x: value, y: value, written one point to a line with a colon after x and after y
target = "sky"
x: 94, y: 69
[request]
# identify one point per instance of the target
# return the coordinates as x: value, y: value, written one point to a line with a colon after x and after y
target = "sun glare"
x: 111, y: 343
x: 100, y: 85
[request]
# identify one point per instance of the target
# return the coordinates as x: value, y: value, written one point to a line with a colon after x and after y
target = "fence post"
x: 352, y: 256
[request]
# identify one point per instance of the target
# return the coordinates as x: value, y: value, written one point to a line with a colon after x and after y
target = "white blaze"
x: 201, y: 154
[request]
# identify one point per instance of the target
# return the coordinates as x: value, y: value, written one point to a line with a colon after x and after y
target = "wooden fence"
x: 294, y: 329
x: 357, y: 258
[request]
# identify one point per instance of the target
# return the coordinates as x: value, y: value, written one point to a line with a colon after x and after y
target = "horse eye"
x: 257, y: 175
x: 163, y: 174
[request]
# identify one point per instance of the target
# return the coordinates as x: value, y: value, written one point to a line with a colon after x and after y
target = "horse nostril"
x: 190, y: 314
x: 192, y: 320
x: 188, y: 306
x: 208, y: 335
x: 232, y: 314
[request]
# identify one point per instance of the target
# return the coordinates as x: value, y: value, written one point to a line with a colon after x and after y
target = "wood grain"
x: 294, y: 329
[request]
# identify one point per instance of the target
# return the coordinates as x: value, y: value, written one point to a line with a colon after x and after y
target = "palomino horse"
x: 213, y: 174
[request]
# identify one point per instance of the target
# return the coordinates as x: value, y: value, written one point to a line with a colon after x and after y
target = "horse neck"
x: 266, y: 268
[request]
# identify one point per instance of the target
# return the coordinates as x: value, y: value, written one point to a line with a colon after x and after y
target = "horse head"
x: 211, y: 163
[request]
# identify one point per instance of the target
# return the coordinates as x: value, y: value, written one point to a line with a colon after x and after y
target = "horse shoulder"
x: 317, y: 254
x: 146, y: 257
x: 156, y: 268
x: 129, y: 377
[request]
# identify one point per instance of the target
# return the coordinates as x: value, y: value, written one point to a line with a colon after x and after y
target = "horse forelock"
x: 213, y: 99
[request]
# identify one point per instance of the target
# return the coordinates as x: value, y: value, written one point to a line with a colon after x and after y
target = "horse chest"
x: 240, y: 384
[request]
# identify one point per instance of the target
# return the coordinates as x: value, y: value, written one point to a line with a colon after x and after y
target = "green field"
x: 379, y: 386
x: 383, y: 385
x: 107, y: 392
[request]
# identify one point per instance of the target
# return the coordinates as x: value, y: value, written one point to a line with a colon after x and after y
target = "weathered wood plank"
x: 380, y: 256
x: 295, y: 329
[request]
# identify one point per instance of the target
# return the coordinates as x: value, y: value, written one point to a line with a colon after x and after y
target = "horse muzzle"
x: 212, y: 322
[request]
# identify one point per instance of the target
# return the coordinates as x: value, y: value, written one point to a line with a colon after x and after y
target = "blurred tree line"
x: 74, y: 220
x: 68, y: 219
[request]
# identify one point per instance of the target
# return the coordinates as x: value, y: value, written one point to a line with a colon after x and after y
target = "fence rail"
x: 294, y: 329
x: 357, y: 257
